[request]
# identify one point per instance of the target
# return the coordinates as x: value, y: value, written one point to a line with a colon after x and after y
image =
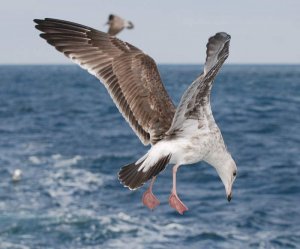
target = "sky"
x: 170, y: 31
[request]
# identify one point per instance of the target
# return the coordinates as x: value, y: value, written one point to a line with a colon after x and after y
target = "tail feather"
x: 130, y: 175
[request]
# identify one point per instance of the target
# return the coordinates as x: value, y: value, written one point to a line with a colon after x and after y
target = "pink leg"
x: 174, y: 200
x: 149, y: 198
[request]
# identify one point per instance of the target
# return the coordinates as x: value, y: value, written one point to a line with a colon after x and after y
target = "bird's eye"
x: 234, y: 173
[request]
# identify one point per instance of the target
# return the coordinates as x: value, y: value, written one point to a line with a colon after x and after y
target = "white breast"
x: 188, y: 150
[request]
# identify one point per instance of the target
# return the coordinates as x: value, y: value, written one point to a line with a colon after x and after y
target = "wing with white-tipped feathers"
x: 130, y: 76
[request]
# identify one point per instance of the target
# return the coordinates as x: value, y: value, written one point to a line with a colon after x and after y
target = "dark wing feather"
x: 194, y: 103
x: 130, y: 76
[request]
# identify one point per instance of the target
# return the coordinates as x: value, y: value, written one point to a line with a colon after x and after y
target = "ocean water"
x: 60, y: 127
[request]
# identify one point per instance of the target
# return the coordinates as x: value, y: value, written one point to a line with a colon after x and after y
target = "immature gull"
x: 117, y: 24
x: 179, y: 136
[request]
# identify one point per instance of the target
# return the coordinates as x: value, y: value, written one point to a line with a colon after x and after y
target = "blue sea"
x: 60, y: 127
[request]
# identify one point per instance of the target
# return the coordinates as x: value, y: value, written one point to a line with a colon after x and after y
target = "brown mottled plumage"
x: 130, y: 76
x: 186, y: 136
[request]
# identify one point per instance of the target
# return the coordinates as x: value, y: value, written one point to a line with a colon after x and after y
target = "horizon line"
x: 164, y: 63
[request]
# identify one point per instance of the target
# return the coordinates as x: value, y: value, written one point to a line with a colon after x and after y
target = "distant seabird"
x: 117, y: 24
x: 183, y: 135
x: 16, y: 175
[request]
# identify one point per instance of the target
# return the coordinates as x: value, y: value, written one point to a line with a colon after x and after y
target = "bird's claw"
x: 177, y: 204
x: 150, y: 200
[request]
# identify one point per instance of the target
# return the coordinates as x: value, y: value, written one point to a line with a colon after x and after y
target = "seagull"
x: 16, y: 175
x: 179, y: 136
x: 117, y: 24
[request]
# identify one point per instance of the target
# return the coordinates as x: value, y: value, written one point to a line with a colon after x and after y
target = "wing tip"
x: 222, y: 35
x: 219, y: 38
x: 217, y: 48
x: 38, y: 23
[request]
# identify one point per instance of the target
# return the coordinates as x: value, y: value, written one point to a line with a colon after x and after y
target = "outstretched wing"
x: 194, y: 104
x: 130, y: 76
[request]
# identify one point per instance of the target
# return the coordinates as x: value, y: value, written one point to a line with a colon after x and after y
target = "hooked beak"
x: 229, y: 197
x: 229, y: 193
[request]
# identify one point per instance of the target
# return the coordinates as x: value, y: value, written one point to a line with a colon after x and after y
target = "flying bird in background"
x: 183, y: 135
x: 117, y: 24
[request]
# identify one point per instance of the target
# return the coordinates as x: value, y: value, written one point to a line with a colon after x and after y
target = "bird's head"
x: 227, y: 172
x: 110, y: 19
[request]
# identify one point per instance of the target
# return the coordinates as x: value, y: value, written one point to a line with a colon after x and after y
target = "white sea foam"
x: 124, y: 216
x: 174, y: 226
x: 34, y: 160
x: 4, y: 244
x: 147, y: 231
x: 32, y: 147
x: 64, y: 181
x: 56, y: 156
x: 76, y: 179
x: 66, y: 162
